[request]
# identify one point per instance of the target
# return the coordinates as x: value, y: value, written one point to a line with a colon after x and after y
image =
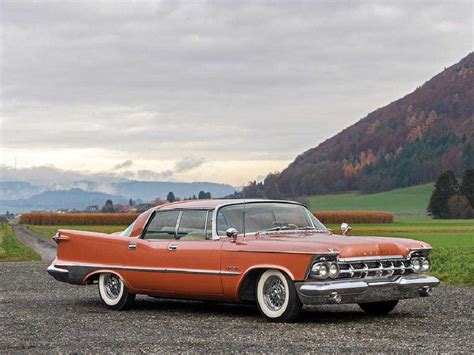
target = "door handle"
x: 172, y: 247
x: 132, y: 245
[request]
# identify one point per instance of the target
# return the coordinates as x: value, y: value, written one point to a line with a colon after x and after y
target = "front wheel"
x: 379, y: 308
x: 114, y: 293
x: 277, y: 298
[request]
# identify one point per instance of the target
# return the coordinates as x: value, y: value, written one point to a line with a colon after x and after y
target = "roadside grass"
x: 50, y: 231
x: 11, y: 249
x: 452, y: 241
x: 409, y: 200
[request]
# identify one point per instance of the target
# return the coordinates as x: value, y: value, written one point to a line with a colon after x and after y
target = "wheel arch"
x: 93, y: 276
x: 248, y: 283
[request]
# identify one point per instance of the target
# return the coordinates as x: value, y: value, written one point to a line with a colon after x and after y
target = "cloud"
x: 125, y: 164
x: 188, y: 163
x: 148, y: 175
x: 228, y: 81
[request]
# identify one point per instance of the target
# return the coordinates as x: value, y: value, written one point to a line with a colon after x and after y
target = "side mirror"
x: 345, y: 228
x: 232, y: 234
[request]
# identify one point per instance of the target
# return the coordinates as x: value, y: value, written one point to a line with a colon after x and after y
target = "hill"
x: 409, y: 200
x: 67, y: 199
x: 405, y: 143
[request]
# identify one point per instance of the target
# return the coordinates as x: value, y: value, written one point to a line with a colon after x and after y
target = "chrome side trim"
x: 152, y: 269
x: 279, y: 252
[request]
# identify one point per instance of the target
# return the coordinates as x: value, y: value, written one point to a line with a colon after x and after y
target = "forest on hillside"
x: 407, y: 142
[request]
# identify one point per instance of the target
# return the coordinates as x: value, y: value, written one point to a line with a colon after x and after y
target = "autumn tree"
x: 445, y: 187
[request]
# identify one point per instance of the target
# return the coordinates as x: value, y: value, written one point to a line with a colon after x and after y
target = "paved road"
x: 39, y: 314
x: 46, y: 248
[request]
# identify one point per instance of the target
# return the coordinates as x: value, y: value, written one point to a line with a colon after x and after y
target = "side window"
x: 192, y: 225
x: 209, y: 225
x: 162, y: 226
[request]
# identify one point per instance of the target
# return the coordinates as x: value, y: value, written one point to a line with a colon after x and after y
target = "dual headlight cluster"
x: 420, y: 264
x: 324, y: 269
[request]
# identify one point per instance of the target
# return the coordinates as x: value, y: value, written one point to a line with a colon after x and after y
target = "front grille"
x: 374, y: 269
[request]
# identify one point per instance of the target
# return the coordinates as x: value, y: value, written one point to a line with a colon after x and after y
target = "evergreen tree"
x: 445, y: 187
x: 467, y: 186
x: 108, y: 207
x: 468, y: 157
x: 171, y: 197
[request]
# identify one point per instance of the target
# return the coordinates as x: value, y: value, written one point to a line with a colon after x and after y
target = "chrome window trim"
x: 157, y: 210
x: 215, y: 236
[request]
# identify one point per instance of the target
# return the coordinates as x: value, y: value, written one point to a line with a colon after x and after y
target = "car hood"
x: 316, y: 243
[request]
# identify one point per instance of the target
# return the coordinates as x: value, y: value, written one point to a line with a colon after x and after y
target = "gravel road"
x: 39, y: 314
x: 44, y: 247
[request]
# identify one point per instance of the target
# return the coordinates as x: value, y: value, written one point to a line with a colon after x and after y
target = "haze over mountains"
x: 407, y: 142
x: 20, y: 196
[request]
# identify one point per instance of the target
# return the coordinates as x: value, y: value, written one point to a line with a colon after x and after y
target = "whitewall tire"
x: 277, y: 298
x: 114, y: 293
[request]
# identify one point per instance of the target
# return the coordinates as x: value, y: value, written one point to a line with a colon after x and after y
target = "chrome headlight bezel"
x: 420, y: 264
x: 324, y: 269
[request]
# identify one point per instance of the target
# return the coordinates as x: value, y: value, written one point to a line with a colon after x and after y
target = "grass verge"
x: 11, y: 249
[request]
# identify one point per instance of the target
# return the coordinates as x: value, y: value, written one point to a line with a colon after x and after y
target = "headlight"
x: 425, y: 265
x: 320, y: 270
x: 416, y: 263
x: 333, y: 270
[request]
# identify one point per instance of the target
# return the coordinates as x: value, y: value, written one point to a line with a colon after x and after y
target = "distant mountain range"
x: 23, y: 196
x: 407, y: 142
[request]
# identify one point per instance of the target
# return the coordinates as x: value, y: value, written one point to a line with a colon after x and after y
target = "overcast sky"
x: 222, y: 91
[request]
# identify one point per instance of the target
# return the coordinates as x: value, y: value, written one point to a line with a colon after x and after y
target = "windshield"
x: 266, y: 216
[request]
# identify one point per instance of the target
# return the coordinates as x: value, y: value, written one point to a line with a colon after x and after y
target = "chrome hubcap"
x: 274, y: 293
x: 113, y: 286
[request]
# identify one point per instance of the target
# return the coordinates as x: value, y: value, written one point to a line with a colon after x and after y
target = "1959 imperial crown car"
x: 272, y: 253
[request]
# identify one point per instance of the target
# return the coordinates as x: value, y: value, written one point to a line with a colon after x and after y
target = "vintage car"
x: 272, y: 253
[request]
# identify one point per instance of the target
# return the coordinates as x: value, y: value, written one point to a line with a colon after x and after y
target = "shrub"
x: 335, y: 217
x: 459, y: 207
x: 78, y: 218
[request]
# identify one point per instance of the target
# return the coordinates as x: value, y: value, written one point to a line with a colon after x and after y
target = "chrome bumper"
x: 364, y: 291
x: 57, y: 273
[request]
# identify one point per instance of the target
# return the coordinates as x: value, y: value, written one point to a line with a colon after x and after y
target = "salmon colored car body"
x: 272, y: 253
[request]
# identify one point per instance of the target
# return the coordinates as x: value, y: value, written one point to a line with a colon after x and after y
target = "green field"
x: 410, y: 200
x: 50, y: 231
x: 11, y: 249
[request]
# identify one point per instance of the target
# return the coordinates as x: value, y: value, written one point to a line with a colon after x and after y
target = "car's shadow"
x: 321, y: 314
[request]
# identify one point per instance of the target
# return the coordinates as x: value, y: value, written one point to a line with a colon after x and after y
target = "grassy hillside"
x: 410, y: 200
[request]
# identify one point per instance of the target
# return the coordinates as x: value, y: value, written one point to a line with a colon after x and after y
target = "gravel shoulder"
x: 39, y: 314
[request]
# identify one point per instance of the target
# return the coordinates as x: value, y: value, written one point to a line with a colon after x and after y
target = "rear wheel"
x: 277, y: 298
x: 379, y: 308
x: 114, y: 293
